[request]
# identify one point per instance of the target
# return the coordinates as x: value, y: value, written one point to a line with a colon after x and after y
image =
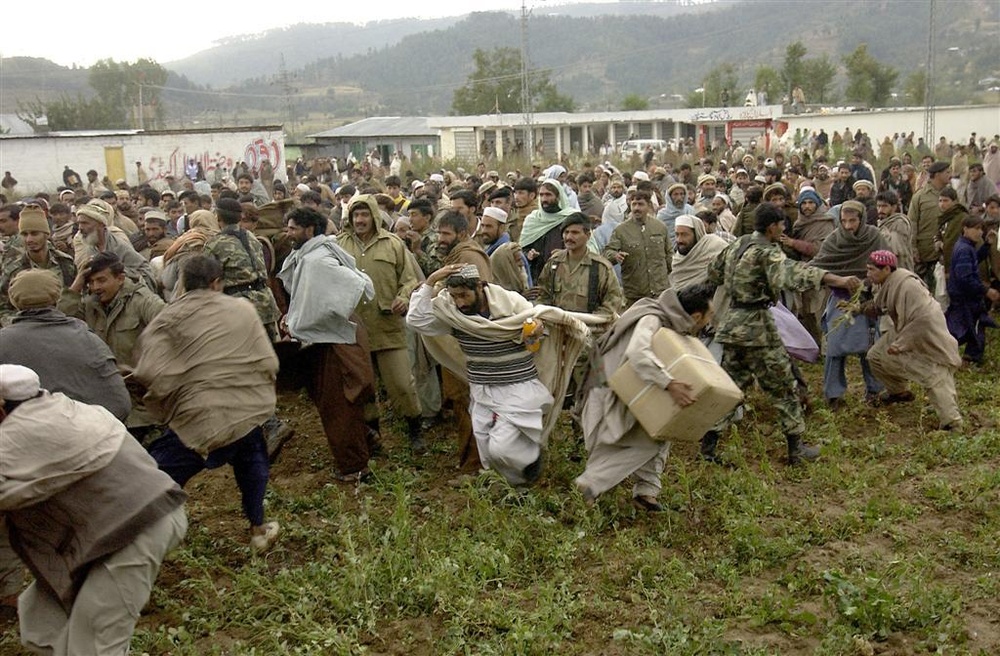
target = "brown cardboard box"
x: 689, y: 361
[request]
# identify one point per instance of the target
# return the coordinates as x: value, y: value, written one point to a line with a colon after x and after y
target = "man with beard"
x: 741, y: 181
x: 916, y: 346
x: 845, y: 253
x: 895, y: 228
x: 894, y: 180
x: 384, y: 259
x: 325, y: 287
x: 696, y: 251
x: 155, y: 241
x: 754, y: 271
x: 720, y: 207
x: 97, y: 235
x: 456, y: 248
x: 675, y: 206
x: 706, y: 191
x: 542, y: 231
x: 822, y: 182
x: 497, y: 332
x: 510, y: 267
x: 615, y: 202
x: 525, y: 201
x: 617, y: 444
x: 991, y: 164
x: 36, y: 252
x: 641, y: 246
x: 864, y: 193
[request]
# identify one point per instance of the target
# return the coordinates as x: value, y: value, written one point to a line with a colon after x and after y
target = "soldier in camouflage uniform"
x: 567, y: 276
x: 754, y: 271
x: 242, y: 257
x: 422, y: 240
x: 35, y: 251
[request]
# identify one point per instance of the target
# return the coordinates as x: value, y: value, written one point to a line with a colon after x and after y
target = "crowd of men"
x: 146, y: 331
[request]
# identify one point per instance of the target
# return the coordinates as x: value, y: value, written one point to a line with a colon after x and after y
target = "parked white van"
x: 639, y: 146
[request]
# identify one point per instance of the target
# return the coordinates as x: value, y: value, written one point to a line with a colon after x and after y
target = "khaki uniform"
x: 924, y: 213
x: 565, y: 284
x: 646, y: 268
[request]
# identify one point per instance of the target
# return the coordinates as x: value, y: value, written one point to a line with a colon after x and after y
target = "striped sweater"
x: 496, y: 363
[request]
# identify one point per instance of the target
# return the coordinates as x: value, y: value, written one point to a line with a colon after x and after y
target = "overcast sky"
x: 81, y: 33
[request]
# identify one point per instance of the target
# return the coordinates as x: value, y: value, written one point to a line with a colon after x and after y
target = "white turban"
x: 496, y: 214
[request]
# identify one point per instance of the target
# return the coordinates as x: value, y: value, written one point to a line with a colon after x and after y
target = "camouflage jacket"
x: 566, y: 284
x: 753, y: 271
x: 428, y: 258
x: 244, y: 273
x: 16, y: 260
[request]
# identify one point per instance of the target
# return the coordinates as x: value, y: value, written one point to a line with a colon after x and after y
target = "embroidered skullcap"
x: 676, y: 185
x: 705, y: 177
x: 18, y: 383
x: 495, y: 213
x: 467, y: 272
x: 884, y: 259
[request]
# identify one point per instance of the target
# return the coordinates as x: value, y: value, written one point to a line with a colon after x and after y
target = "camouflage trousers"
x: 771, y: 367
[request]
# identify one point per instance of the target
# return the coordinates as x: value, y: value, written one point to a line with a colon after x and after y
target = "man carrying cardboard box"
x: 617, y: 444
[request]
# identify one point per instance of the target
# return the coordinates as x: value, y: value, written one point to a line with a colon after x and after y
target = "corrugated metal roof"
x: 381, y: 126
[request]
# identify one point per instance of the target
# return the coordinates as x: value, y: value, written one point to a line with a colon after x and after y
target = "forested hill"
x: 598, y: 60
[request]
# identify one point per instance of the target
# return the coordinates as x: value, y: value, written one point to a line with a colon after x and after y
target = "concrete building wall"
x: 37, y: 162
x: 955, y: 123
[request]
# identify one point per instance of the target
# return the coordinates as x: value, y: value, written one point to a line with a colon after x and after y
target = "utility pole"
x: 526, y: 109
x: 287, y: 90
x: 141, y: 127
x: 929, y: 109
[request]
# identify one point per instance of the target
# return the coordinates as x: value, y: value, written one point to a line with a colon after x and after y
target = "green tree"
x: 868, y: 80
x: 818, y: 74
x: 115, y: 103
x: 769, y: 81
x: 915, y: 87
x: 495, y: 86
x: 793, y: 71
x: 634, y: 102
x: 721, y: 77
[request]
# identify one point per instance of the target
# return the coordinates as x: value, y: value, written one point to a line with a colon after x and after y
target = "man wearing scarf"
x: 541, y: 233
x: 813, y: 225
x: 917, y: 346
x: 696, y: 250
x: 676, y: 204
x: 510, y: 267
x: 895, y: 227
x: 617, y: 444
x: 97, y: 234
x: 845, y: 253
x: 488, y: 335
x: 615, y: 202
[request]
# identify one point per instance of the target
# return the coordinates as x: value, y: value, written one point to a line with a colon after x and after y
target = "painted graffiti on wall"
x: 254, y: 155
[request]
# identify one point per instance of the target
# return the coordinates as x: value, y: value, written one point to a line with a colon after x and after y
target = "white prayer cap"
x: 496, y: 214
x: 417, y: 184
x: 18, y: 383
x: 301, y: 187
x: 640, y: 175
x: 685, y: 220
x: 437, y: 177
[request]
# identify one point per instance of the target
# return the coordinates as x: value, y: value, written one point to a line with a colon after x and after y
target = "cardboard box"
x: 688, y: 360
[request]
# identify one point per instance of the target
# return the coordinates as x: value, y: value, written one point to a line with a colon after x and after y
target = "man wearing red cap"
x: 917, y: 347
